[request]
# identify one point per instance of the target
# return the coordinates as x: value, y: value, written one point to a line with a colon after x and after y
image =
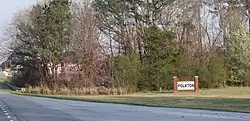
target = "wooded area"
x: 123, y: 46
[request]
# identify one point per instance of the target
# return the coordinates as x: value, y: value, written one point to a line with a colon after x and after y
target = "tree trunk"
x: 111, y: 70
x: 248, y: 10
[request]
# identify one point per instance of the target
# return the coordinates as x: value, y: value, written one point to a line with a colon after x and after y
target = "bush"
x: 103, y: 91
x: 161, y: 58
x: 127, y: 72
x: 45, y: 90
x: 26, y: 76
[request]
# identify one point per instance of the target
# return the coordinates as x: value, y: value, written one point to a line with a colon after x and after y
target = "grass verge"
x: 191, y: 102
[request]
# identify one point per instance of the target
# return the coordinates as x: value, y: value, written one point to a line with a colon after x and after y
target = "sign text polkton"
x: 185, y: 85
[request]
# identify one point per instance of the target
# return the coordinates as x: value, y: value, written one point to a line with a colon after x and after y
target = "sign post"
x: 186, y: 84
x: 196, y: 83
x: 175, y: 84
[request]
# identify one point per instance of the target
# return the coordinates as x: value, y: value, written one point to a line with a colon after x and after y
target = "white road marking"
x: 7, y: 114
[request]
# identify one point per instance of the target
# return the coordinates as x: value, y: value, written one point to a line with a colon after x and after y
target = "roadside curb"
x: 14, y: 88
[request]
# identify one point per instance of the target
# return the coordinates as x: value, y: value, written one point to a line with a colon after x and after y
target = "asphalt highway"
x: 23, y: 108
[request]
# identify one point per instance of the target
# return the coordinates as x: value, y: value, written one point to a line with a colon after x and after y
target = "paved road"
x: 22, y: 108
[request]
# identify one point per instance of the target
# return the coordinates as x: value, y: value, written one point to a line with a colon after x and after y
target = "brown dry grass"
x: 75, y: 91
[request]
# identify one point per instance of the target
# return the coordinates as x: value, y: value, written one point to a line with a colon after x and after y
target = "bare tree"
x: 86, y: 47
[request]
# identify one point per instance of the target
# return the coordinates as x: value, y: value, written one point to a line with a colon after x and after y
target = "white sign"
x: 185, y: 85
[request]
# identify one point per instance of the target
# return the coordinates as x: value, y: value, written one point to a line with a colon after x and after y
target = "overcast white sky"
x: 8, y: 8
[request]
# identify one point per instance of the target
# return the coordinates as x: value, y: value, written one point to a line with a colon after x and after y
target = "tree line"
x: 134, y: 45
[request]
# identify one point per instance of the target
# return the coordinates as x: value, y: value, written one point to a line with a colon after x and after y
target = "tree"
x: 238, y: 54
x: 41, y: 37
x: 161, y: 57
x: 53, y: 26
x: 22, y: 54
x: 86, y: 50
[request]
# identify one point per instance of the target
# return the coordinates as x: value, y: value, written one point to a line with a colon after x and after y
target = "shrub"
x: 127, y: 72
x: 103, y: 91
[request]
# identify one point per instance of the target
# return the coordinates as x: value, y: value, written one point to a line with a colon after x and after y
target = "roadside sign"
x: 186, y: 84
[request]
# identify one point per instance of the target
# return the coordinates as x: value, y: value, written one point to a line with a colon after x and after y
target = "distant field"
x: 226, y: 99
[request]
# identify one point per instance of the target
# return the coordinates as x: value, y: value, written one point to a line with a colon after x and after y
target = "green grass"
x: 228, y: 99
x: 229, y: 92
x: 2, y: 79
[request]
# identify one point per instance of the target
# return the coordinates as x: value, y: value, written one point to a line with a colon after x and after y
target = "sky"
x: 8, y: 8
